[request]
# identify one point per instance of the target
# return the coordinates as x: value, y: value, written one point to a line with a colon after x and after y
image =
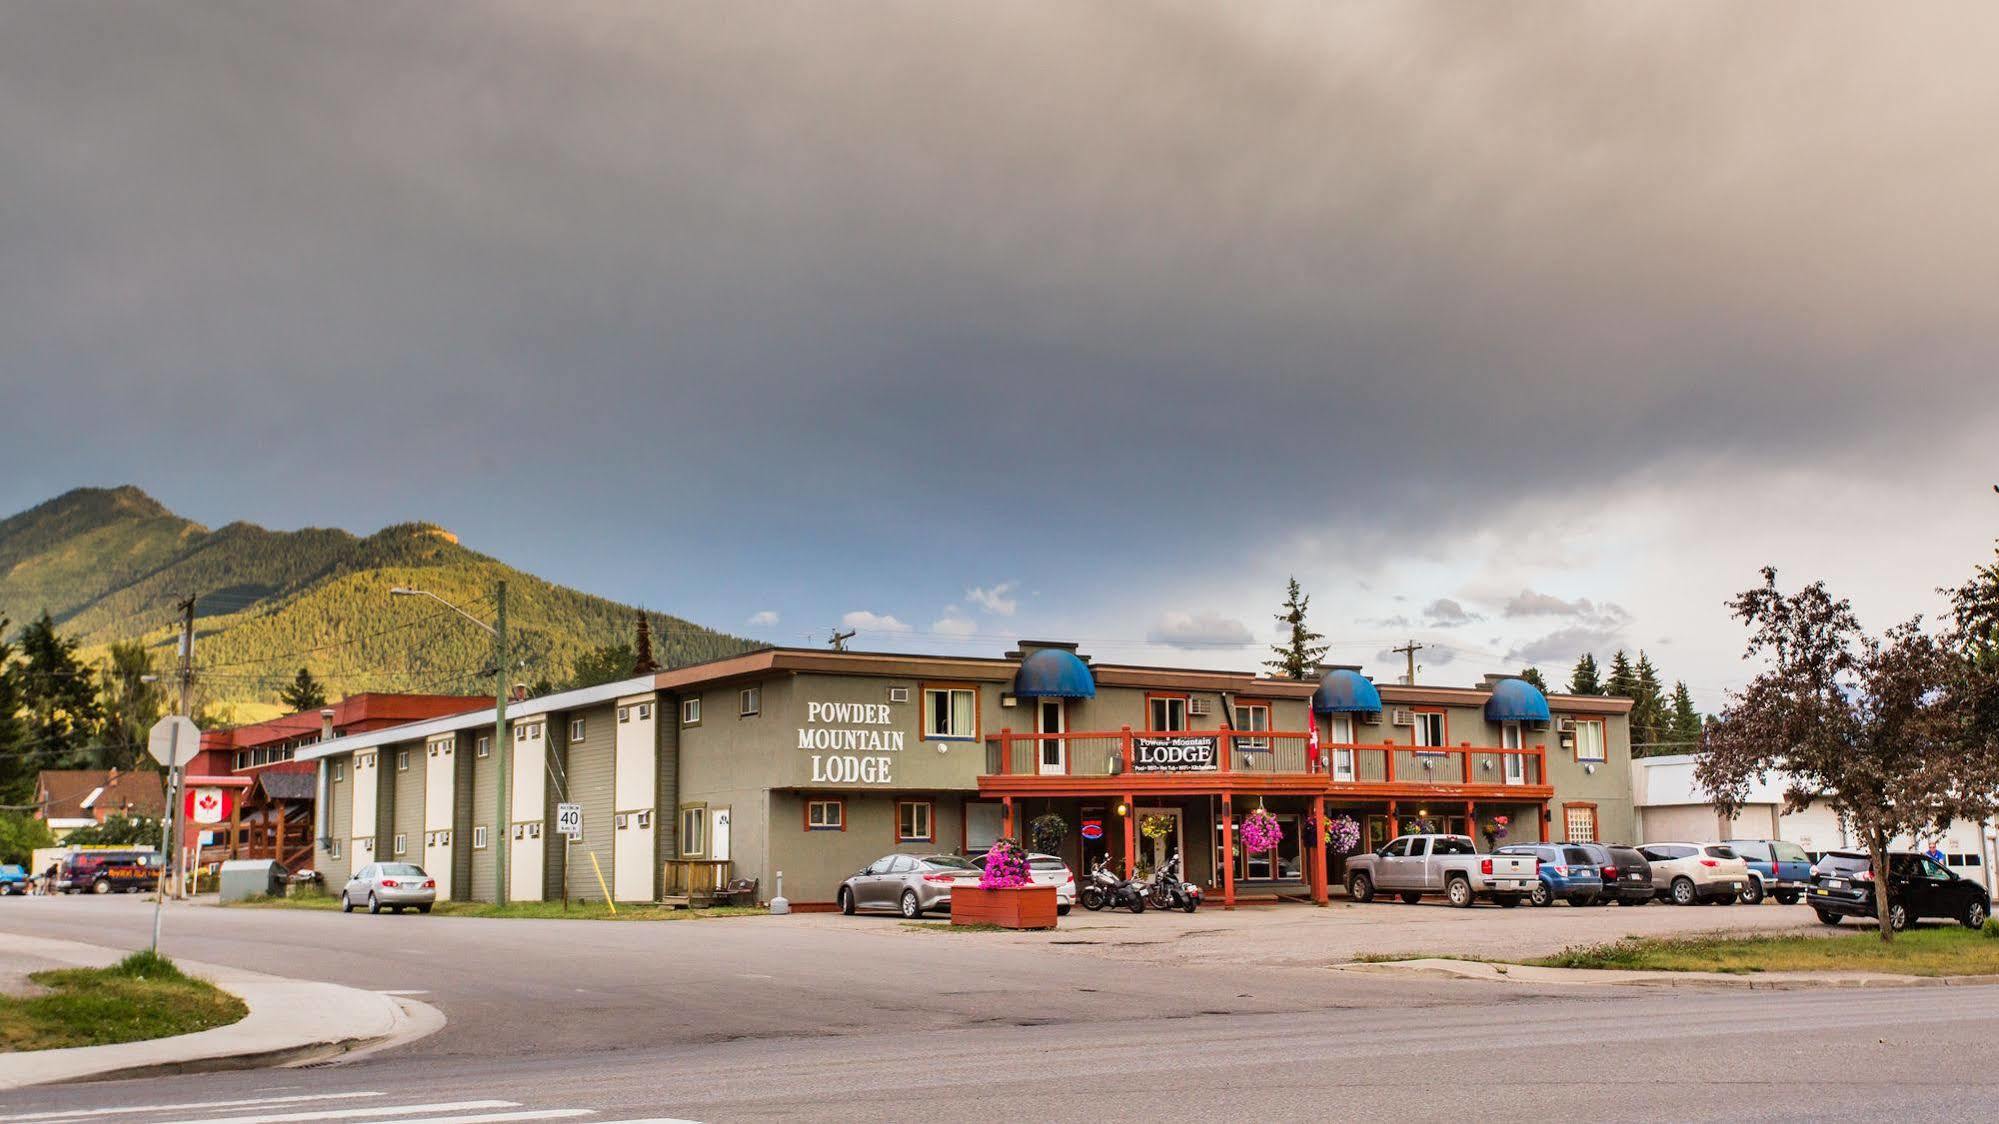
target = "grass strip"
x: 141, y: 997
x: 1937, y: 950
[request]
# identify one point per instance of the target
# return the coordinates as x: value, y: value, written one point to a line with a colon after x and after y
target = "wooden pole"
x: 1228, y: 851
x: 1319, y: 869
x: 1130, y: 836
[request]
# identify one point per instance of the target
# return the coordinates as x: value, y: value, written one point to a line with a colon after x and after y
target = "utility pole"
x: 839, y: 640
x: 1410, y: 649
x: 186, y: 676
x: 502, y: 745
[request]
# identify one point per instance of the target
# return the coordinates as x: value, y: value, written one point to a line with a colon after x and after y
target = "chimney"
x: 326, y: 724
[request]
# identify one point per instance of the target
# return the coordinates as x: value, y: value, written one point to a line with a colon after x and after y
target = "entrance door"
x: 1341, y: 729
x: 1154, y: 851
x: 718, y: 835
x: 1050, y: 719
x: 1516, y: 762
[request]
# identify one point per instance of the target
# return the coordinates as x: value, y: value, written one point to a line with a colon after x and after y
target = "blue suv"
x: 1776, y: 868
x: 1567, y: 871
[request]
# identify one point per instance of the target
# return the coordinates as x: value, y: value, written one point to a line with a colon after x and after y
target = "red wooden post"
x: 1130, y: 836
x: 1388, y: 762
x: 1541, y: 824
x: 1466, y: 746
x: 1124, y: 732
x: 1394, y: 820
x: 1228, y: 853
x: 1319, y: 869
x: 1008, y: 829
x: 1006, y: 752
x: 1471, y: 820
x: 1541, y: 764
x: 1226, y: 749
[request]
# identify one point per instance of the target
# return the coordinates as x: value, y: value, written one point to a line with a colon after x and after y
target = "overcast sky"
x: 1519, y: 330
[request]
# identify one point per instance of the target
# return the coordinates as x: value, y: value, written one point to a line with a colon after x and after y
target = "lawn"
x: 143, y: 996
x: 577, y: 911
x: 1937, y: 950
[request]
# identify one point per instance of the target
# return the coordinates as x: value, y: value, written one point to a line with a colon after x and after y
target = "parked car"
x: 1627, y: 877
x: 1046, y: 870
x: 1414, y: 865
x: 1918, y: 887
x: 1567, y: 873
x: 101, y: 872
x: 1686, y: 873
x: 909, y: 884
x: 13, y: 879
x: 1776, y: 869
x: 391, y: 886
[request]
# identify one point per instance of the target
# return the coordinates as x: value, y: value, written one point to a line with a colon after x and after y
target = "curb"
x: 290, y: 1022
x: 1488, y: 972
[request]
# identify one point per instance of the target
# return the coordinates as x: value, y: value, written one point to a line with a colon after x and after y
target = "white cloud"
x: 763, y: 618
x: 1200, y: 630
x: 865, y: 621
x: 997, y: 599
x: 952, y: 624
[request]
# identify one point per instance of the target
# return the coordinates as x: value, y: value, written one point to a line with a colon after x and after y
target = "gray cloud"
x: 1529, y: 603
x: 1445, y: 612
x: 1200, y: 630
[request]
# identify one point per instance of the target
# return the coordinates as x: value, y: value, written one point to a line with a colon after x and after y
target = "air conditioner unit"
x: 898, y: 694
x: 1197, y: 706
x: 1402, y: 718
x: 1566, y: 726
x: 1369, y: 717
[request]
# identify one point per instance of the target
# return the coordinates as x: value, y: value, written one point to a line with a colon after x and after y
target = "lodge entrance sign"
x: 1173, y: 753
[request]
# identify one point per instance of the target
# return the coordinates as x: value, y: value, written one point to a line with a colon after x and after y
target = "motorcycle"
x: 1107, y: 888
x: 1168, y: 890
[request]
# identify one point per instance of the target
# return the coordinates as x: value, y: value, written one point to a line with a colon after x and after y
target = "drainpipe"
x: 321, y: 793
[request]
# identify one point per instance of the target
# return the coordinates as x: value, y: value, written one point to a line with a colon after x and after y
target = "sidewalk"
x: 290, y: 1021
x: 1439, y: 968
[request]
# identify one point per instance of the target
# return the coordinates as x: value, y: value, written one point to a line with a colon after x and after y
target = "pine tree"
x: 1533, y: 675
x: 643, y: 663
x: 1298, y: 655
x: 58, y: 697
x: 606, y: 663
x: 304, y: 693
x: 1685, y: 725
x: 130, y: 705
x: 17, y: 762
x: 1584, y: 679
x: 1623, y: 682
x: 1648, y: 708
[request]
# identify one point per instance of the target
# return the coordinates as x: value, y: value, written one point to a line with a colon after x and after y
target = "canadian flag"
x: 1311, y: 738
x: 207, y: 805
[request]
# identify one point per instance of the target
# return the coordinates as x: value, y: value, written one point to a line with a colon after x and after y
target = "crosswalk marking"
x: 371, y: 1112
x: 127, y: 1110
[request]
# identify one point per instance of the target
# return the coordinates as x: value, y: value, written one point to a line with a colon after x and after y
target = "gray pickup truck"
x: 1415, y: 865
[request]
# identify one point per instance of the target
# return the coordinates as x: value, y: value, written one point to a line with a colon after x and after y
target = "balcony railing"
x: 1267, y: 752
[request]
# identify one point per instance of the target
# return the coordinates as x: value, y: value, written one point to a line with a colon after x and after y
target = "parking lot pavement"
x: 1302, y: 935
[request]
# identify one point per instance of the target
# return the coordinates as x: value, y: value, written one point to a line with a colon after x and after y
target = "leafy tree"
x: 20, y: 834
x: 303, y: 693
x: 1584, y: 680
x: 117, y: 831
x: 17, y: 761
x: 1683, y: 725
x: 1533, y: 675
x: 1623, y: 681
x: 130, y: 706
x: 1648, y: 708
x: 606, y: 663
x: 1301, y: 652
x: 1892, y: 732
x: 58, y: 696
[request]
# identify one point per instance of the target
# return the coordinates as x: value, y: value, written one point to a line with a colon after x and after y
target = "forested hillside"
x: 109, y: 565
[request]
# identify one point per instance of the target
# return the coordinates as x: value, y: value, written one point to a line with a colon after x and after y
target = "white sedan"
x: 1047, y: 870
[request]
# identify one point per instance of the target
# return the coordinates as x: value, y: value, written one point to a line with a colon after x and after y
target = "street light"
x: 498, y: 631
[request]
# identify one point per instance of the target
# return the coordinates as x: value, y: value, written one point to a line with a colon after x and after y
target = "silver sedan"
x: 392, y: 886
x: 908, y: 884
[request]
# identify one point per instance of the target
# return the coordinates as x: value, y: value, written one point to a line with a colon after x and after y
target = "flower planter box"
x: 1023, y: 907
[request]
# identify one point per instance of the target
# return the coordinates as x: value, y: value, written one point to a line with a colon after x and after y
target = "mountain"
x: 109, y: 565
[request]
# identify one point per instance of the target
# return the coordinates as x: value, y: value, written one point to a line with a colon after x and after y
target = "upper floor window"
x: 402, y: 761
x: 1430, y: 728
x: 1589, y: 739
x: 749, y: 701
x: 1252, y: 718
x: 576, y: 729
x: 690, y: 711
x: 1166, y: 712
x: 950, y: 713
x: 485, y: 744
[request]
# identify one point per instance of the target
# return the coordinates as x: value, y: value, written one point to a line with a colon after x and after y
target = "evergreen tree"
x: 1299, y: 654
x: 58, y: 697
x: 1584, y: 680
x: 1648, y: 708
x: 1685, y: 725
x: 17, y: 762
x: 1533, y: 675
x: 606, y: 663
x: 130, y: 706
x: 1623, y: 681
x: 304, y: 693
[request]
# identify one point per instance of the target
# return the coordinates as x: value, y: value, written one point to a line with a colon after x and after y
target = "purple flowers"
x: 1260, y: 832
x: 1342, y: 834
x: 1006, y: 867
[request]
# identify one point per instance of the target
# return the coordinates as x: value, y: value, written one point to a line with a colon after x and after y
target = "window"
x: 479, y: 837
x: 1339, y: 730
x: 1589, y: 739
x: 1452, y: 846
x: 749, y: 701
x: 1515, y: 771
x: 1429, y: 729
x: 575, y: 730
x: 1932, y: 871
x: 401, y: 844
x: 690, y: 712
x: 645, y: 711
x: 693, y: 822
x: 339, y: 772
x: 825, y: 815
x: 485, y: 745
x: 402, y: 761
x: 624, y: 714
x: 1252, y: 718
x: 242, y: 759
x: 333, y: 848
x: 1166, y: 712
x: 1580, y: 820
x: 950, y: 713
x: 912, y: 821
x: 1400, y: 848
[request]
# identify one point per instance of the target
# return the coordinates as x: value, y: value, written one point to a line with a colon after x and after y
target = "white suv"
x: 1686, y: 873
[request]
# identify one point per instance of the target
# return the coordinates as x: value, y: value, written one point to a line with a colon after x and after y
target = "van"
x: 101, y: 872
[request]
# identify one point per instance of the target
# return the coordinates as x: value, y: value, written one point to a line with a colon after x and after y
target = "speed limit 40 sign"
x: 569, y: 820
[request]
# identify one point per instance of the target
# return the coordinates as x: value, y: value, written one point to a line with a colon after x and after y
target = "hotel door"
x: 1153, y: 851
x: 1053, y: 752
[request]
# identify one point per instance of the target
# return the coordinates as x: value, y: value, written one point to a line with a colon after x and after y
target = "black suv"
x: 1918, y: 887
x: 1627, y: 877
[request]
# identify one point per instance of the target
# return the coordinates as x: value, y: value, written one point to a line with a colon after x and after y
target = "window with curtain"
x: 950, y: 713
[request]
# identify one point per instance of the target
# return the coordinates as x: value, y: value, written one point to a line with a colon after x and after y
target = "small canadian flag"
x: 1311, y: 739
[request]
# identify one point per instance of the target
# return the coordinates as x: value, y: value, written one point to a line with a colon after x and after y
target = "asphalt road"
x: 761, y: 1018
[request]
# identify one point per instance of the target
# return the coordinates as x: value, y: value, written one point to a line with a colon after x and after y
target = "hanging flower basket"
x: 1496, y: 826
x: 1048, y: 832
x: 1261, y: 832
x: 1342, y: 834
x: 1157, y: 827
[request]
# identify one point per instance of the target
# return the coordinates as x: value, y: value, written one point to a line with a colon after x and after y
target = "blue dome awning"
x: 1516, y: 700
x: 1345, y: 692
x: 1054, y: 673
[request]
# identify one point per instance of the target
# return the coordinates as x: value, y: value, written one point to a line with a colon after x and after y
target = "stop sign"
x: 174, y: 741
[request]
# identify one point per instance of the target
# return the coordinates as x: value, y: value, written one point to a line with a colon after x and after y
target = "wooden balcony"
x: 1272, y: 761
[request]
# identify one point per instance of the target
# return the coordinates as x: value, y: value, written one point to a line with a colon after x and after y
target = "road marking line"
x: 404, y: 991
x: 254, y: 1102
x: 497, y: 1117
x: 344, y: 1113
